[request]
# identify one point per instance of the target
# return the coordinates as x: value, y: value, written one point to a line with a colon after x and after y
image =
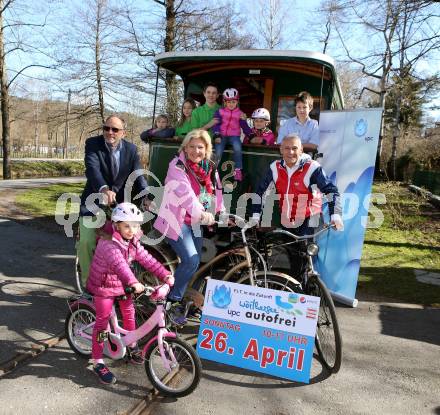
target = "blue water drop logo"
x: 222, y: 296
x: 361, y: 127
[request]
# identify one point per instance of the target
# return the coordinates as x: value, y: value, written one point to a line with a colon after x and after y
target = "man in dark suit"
x: 109, y: 161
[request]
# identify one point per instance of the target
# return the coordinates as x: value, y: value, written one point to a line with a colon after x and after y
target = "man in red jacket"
x: 301, y: 184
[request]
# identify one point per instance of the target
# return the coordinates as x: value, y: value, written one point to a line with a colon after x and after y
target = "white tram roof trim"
x: 248, y: 53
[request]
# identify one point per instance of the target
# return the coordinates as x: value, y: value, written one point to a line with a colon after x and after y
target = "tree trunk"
x: 49, y: 139
x: 66, y: 126
x: 396, y: 134
x: 4, y: 98
x: 403, y: 73
x: 382, y: 95
x: 36, y: 128
x: 99, y: 6
x: 170, y: 77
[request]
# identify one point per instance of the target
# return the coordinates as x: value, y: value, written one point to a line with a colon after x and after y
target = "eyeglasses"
x: 113, y: 129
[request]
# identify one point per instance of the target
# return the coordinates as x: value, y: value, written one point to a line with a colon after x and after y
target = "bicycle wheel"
x: 185, y: 366
x: 282, y: 255
x: 216, y: 268
x: 142, y: 305
x: 328, y: 339
x: 148, y: 278
x: 78, y: 281
x: 273, y: 280
x: 80, y: 320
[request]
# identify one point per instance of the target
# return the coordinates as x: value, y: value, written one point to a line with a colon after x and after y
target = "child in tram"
x: 231, y: 120
x: 110, y: 274
x: 184, y: 125
x: 161, y: 129
x: 261, y: 134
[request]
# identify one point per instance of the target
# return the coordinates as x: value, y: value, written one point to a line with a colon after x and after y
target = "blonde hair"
x: 203, y: 135
x: 162, y: 117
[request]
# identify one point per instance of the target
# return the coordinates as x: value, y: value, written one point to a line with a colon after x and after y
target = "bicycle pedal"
x: 188, y: 306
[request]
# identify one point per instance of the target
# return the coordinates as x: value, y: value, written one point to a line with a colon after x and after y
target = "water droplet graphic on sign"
x: 222, y: 296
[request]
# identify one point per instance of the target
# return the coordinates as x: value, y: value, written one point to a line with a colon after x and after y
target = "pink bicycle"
x: 172, y: 364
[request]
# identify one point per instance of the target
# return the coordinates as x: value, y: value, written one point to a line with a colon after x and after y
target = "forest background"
x: 65, y: 65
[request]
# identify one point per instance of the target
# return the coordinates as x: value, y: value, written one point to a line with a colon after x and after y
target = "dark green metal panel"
x: 161, y: 153
x: 428, y: 179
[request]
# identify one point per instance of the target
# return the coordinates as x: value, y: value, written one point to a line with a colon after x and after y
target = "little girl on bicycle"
x: 231, y: 120
x: 110, y: 274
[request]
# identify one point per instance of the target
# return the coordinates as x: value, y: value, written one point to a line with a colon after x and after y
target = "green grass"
x: 42, y: 201
x: 408, y: 240
x: 52, y: 168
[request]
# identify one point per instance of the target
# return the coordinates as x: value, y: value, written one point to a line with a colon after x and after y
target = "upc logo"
x: 361, y: 127
x: 222, y: 296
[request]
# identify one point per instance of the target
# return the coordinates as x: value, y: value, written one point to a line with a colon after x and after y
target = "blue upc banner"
x: 348, y: 142
x: 259, y: 329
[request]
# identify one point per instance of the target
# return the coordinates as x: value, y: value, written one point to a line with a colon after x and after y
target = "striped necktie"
x: 113, y: 163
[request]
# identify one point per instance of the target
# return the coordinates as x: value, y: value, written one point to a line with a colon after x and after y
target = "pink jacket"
x: 230, y: 124
x: 267, y: 135
x: 110, y: 270
x: 181, y: 198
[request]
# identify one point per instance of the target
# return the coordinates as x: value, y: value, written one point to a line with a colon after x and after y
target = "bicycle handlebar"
x: 236, y: 219
x: 148, y: 290
x: 304, y: 237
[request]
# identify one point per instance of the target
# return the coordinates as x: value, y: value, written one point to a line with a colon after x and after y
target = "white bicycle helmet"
x: 261, y: 113
x: 230, y: 94
x: 127, y: 212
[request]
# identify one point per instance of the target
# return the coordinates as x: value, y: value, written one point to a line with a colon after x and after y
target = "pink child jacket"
x: 267, y: 135
x: 110, y: 270
x: 180, y: 197
x: 230, y: 124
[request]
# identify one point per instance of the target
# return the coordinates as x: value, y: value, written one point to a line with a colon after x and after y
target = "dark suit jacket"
x: 98, y: 170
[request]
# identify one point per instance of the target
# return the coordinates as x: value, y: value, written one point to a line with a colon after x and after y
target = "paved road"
x: 391, y: 366
x: 36, y: 275
x: 31, y: 183
x: 391, y: 359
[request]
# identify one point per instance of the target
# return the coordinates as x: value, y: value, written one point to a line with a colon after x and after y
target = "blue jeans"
x: 188, y: 248
x: 236, y: 145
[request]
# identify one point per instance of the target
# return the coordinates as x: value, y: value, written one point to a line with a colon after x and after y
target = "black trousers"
x: 297, y: 251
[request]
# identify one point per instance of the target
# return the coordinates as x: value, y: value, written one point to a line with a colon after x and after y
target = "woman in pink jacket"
x: 192, y: 196
x: 110, y: 274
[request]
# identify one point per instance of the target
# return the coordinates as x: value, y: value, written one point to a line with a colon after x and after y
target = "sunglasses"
x: 113, y: 129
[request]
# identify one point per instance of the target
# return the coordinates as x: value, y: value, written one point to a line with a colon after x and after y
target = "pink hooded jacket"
x: 266, y: 134
x: 110, y: 270
x: 180, y: 197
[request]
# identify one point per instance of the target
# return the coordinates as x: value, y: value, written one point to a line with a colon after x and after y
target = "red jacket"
x: 297, y: 201
x: 301, y: 194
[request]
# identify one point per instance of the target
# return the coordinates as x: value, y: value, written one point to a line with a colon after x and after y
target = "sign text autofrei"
x: 259, y: 329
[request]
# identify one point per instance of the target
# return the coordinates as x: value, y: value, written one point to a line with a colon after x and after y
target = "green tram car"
x: 264, y: 78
